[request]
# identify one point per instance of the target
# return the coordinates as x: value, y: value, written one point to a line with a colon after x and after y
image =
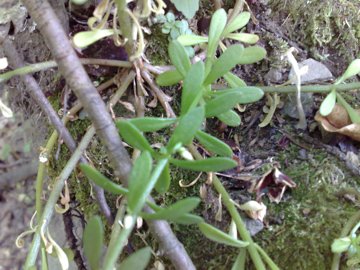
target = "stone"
x: 274, y: 76
x: 317, y: 72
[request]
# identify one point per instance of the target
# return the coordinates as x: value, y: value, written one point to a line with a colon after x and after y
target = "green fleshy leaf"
x: 186, y: 7
x: 102, y: 181
x: 133, y: 136
x: 218, y: 236
x: 213, y: 144
x: 227, y: 99
x: 341, y: 245
x: 187, y: 127
x: 169, y: 78
x: 170, y: 17
x: 239, y: 22
x: 139, y: 182
x: 240, y: 261
x: 150, y: 124
x: 213, y: 164
x: 244, y: 37
x: 179, y: 57
x: 230, y: 118
x: 86, y: 38
x: 163, y: 183
x: 138, y: 260
x: 233, y: 80
x: 252, y: 55
x: 328, y: 103
x: 217, y: 25
x: 227, y: 61
x: 188, y: 219
x: 192, y: 87
x: 93, y: 239
x: 352, y: 70
x: 190, y: 40
x: 174, y: 211
x: 354, y: 115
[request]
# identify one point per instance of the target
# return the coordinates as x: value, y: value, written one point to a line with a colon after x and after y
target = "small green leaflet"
x: 328, y: 103
x: 174, y: 211
x: 252, y: 55
x: 133, y: 136
x: 213, y: 164
x: 138, y: 260
x: 240, y: 261
x: 217, y: 25
x: 227, y: 99
x: 218, y: 236
x: 192, y: 87
x: 352, y: 70
x: 169, y: 78
x: 150, y: 124
x: 244, y: 37
x: 93, y: 240
x: 187, y: 7
x: 185, y: 130
x: 190, y: 40
x: 213, y: 144
x: 179, y: 57
x: 188, y: 219
x: 230, y: 118
x: 227, y: 61
x: 139, y: 181
x: 354, y: 115
x: 163, y: 183
x: 86, y: 38
x: 102, y: 181
x: 233, y: 80
x: 239, y: 22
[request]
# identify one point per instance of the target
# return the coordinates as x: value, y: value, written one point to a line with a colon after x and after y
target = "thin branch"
x: 48, y: 210
x: 54, y: 196
x: 159, y: 93
x: 38, y: 95
x: 51, y: 64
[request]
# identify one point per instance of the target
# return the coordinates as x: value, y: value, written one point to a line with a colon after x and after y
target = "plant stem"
x: 266, y: 257
x: 236, y: 10
x: 40, y: 175
x: 125, y: 25
x: 113, y: 254
x: 54, y: 196
x: 310, y: 88
x: 245, y: 236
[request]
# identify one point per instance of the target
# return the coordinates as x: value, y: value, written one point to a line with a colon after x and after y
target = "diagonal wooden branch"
x: 76, y: 77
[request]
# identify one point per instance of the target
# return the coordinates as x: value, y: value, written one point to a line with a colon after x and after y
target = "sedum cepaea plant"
x: 151, y: 170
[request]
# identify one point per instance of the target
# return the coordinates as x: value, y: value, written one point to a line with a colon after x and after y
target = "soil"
x: 297, y: 232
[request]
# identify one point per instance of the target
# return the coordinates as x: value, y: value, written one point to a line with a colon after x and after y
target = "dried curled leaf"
x: 351, y: 130
x: 254, y: 209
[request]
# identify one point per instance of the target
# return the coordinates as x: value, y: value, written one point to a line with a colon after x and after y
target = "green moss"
x: 157, y: 49
x: 313, y: 216
x: 318, y: 24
